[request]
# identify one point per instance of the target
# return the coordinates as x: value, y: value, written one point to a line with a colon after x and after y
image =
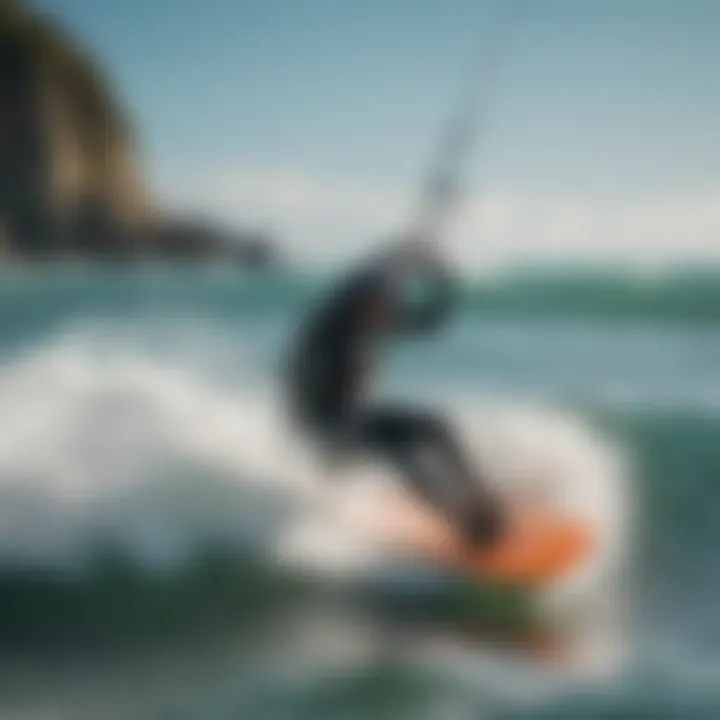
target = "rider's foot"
x: 485, y: 524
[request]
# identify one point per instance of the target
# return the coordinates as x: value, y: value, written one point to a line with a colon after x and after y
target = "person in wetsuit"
x: 331, y: 363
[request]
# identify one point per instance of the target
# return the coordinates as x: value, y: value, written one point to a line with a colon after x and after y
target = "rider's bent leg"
x: 432, y: 462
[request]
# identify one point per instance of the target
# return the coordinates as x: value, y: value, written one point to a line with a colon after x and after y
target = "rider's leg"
x: 433, y: 463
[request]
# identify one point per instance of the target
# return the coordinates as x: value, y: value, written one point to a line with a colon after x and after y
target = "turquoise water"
x: 138, y: 498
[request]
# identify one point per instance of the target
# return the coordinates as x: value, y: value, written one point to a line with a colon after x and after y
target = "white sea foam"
x: 106, y: 443
x: 80, y: 421
x: 99, y: 445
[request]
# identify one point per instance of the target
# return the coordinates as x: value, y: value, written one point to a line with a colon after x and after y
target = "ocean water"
x: 168, y: 549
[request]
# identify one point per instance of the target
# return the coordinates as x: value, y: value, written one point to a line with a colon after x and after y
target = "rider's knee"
x: 432, y: 427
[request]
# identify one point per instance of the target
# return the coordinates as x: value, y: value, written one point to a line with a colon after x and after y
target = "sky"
x: 316, y: 119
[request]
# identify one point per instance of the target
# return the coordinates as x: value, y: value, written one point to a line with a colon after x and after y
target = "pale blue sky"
x: 316, y: 117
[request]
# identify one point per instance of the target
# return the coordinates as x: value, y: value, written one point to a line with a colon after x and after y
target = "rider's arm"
x: 416, y: 266
x: 392, y: 272
x: 440, y: 297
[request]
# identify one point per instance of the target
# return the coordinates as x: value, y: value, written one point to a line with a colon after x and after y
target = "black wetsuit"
x: 329, y: 363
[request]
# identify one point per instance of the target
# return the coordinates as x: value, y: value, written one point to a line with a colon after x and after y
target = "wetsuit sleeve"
x: 431, y: 315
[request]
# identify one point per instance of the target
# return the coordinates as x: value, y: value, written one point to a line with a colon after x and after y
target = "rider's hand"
x: 416, y: 253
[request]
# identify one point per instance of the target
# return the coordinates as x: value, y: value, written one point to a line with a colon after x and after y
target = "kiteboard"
x: 540, y: 544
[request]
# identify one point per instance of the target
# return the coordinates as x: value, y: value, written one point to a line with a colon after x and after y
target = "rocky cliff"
x: 70, y: 182
x: 69, y: 177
